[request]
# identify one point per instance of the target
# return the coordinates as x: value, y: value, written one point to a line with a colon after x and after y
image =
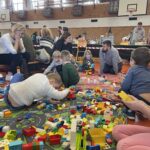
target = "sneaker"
x: 130, y: 114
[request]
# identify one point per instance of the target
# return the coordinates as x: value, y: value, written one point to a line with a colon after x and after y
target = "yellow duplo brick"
x: 84, y: 120
x: 104, y: 126
x: 125, y: 96
x: 61, y: 131
x: 46, y: 127
x: 50, y: 133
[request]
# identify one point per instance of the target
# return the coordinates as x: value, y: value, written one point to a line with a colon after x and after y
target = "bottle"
x: 18, y: 69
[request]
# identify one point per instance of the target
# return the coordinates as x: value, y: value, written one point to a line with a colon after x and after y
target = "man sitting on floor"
x: 110, y: 60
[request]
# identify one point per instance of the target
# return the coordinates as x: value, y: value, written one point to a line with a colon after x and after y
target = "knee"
x: 116, y: 132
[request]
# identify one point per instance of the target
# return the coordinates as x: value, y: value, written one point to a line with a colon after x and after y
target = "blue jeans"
x: 18, y: 77
x: 109, y: 68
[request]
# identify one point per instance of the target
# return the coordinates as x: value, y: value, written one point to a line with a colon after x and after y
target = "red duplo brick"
x: 71, y: 95
x: 88, y: 110
x: 42, y: 138
x: 29, y: 131
x: 2, y: 134
x: 84, y: 108
x: 83, y: 124
x: 94, y: 112
x: 72, y: 111
x: 54, y: 139
x: 109, y: 141
x: 65, y: 127
x: 51, y: 119
x: 83, y: 132
x: 107, y: 122
x: 1, y: 96
x: 27, y: 146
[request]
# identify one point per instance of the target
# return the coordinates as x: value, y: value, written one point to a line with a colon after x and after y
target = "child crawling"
x: 21, y: 93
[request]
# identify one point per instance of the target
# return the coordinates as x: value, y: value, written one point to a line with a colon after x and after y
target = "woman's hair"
x: 65, y: 55
x: 87, y: 52
x: 56, y: 54
x: 141, y: 56
x: 45, y: 32
x: 17, y: 26
x: 56, y: 77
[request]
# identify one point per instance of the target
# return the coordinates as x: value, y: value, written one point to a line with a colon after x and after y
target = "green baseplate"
x: 38, y: 118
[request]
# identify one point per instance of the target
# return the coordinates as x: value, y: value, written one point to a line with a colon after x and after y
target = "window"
x: 37, y: 4
x: 2, y: 4
x: 18, y: 5
x: 92, y: 2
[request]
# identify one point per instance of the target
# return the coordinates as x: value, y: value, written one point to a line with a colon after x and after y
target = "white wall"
x: 85, y: 23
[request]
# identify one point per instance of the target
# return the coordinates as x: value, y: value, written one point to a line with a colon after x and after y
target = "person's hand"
x: 54, y: 102
x: 135, y: 105
x: 17, y: 37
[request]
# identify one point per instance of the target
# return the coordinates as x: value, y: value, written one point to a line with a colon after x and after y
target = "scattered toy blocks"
x: 29, y: 131
x: 11, y: 135
x: 7, y: 113
x: 15, y: 145
x: 55, y: 139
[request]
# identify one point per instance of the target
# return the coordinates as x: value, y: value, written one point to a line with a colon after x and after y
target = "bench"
x: 33, y: 65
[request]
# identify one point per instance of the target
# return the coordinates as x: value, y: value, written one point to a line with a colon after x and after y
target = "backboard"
x: 132, y: 7
x: 4, y: 15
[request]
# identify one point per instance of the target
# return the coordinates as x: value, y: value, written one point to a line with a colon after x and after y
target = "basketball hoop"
x: 1, y: 20
x: 131, y: 11
x: 3, y: 17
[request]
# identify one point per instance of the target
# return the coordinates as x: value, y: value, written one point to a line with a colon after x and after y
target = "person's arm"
x: 126, y: 84
x: 21, y: 46
x: 84, y: 63
x: 143, y: 35
x: 49, y: 68
x: 9, y: 46
x: 101, y: 62
x: 55, y: 94
x: 65, y: 77
x: 70, y: 48
x: 115, y: 58
x: 92, y: 62
x: 138, y: 105
x: 58, y: 45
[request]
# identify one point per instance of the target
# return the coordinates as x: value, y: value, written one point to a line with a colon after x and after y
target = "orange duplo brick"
x: 7, y: 113
x: 125, y: 68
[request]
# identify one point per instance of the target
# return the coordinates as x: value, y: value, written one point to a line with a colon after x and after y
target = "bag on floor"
x: 42, y: 56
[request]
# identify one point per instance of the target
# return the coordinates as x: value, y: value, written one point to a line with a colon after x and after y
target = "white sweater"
x: 35, y: 87
x: 6, y: 45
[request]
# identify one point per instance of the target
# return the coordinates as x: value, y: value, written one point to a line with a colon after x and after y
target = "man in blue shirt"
x: 110, y: 60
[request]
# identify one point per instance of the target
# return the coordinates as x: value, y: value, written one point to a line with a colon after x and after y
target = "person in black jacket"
x: 64, y: 43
